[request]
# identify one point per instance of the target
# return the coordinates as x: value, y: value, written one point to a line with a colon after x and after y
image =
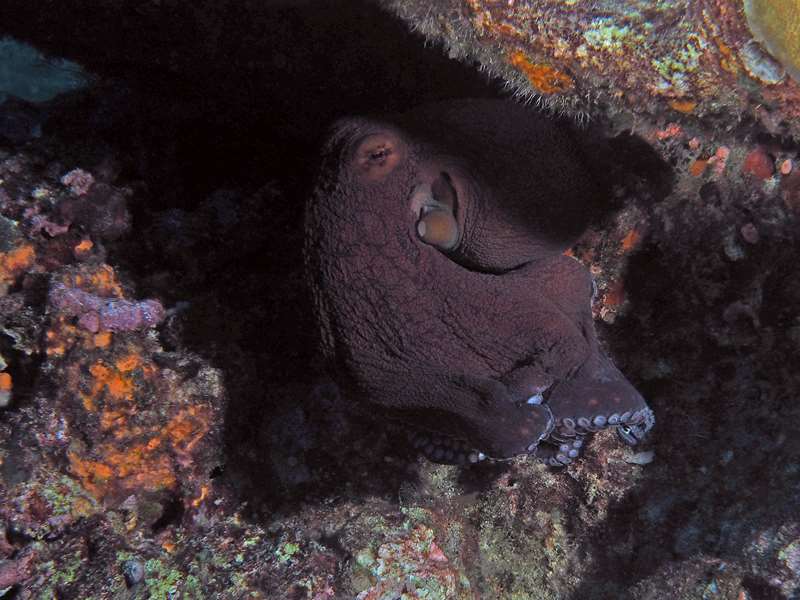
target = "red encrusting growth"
x: 543, y: 78
x: 16, y: 261
x: 758, y: 164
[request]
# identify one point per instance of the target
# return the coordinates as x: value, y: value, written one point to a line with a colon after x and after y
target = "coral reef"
x: 714, y: 59
x: 105, y: 427
x: 206, y: 455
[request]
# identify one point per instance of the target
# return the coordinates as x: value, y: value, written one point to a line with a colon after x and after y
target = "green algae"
x: 60, y: 573
x: 161, y: 580
x: 790, y: 556
x: 605, y: 34
x: 441, y: 481
x: 287, y: 551
x: 414, y: 515
x: 66, y: 496
x: 526, y: 551
x: 406, y: 562
x: 675, y: 67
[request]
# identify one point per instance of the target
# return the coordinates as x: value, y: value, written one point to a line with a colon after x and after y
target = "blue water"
x: 26, y: 73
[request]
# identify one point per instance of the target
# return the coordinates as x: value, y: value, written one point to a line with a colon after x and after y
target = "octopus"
x: 435, y: 252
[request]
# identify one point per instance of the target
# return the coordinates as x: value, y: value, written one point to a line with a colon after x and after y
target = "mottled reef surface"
x: 166, y: 428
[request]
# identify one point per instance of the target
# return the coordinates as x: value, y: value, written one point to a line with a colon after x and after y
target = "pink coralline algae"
x: 39, y: 223
x: 78, y: 181
x: 105, y: 314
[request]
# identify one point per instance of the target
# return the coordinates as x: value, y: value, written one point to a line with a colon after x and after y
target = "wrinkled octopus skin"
x: 435, y: 254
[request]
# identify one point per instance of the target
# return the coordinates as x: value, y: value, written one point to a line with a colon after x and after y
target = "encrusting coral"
x: 709, y: 58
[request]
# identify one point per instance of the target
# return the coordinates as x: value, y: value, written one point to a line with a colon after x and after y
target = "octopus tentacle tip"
x: 535, y: 399
x: 641, y: 458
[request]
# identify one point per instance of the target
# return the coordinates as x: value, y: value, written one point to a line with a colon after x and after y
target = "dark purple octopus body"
x: 434, y: 247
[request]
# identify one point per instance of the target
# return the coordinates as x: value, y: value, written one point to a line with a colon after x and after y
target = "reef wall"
x: 718, y: 61
x: 166, y: 428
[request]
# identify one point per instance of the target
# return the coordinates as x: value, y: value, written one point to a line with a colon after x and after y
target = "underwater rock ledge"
x: 716, y: 59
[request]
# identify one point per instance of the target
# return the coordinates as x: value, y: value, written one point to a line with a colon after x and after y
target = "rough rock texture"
x: 720, y: 60
x: 111, y: 488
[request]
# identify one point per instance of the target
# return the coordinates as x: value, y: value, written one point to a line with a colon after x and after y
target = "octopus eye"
x: 438, y: 228
x: 378, y: 154
x: 435, y: 206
